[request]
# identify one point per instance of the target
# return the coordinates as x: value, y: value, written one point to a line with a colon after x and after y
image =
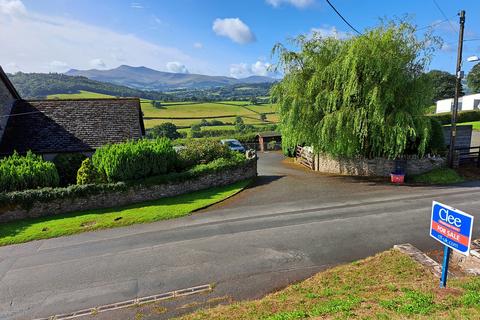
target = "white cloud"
x: 235, y: 29
x: 57, y: 66
x: 97, y: 63
x: 296, y: 3
x: 136, y: 5
x: 243, y: 70
x: 39, y: 40
x: 329, y: 32
x: 176, y: 67
x: 240, y: 70
x: 260, y: 68
x: 198, y: 45
x: 12, y: 7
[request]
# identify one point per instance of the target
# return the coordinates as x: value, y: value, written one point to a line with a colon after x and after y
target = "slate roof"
x: 56, y: 126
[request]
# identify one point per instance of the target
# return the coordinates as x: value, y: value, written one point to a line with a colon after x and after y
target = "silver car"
x: 233, y: 144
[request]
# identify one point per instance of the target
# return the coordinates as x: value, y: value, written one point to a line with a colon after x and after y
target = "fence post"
x: 456, y: 158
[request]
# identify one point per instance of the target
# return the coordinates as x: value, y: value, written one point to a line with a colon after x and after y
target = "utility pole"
x: 458, y: 74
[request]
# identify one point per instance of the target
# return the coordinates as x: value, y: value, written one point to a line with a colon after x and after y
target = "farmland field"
x: 184, y: 114
x: 80, y: 95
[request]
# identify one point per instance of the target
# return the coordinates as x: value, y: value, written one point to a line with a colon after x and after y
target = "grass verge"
x: 438, y: 176
x: 77, y: 222
x: 389, y: 285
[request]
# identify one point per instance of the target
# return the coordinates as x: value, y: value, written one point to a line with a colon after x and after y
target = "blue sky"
x: 232, y: 38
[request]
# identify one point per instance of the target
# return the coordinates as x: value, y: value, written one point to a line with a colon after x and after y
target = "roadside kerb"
x: 132, y: 302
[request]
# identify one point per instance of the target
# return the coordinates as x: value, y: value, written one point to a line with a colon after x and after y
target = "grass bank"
x: 77, y: 222
x: 389, y: 285
x: 439, y: 176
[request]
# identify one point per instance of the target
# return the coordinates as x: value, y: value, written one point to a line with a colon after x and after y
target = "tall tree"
x: 443, y: 84
x: 473, y: 79
x: 361, y: 96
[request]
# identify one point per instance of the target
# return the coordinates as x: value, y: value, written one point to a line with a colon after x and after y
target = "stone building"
x: 50, y: 127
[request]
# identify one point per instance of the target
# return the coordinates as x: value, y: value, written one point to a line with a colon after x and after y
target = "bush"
x: 135, y: 159
x: 88, y: 174
x: 26, y: 172
x: 67, y: 165
x: 28, y: 197
x: 201, y: 151
x: 167, y: 130
x: 437, y: 139
x: 463, y: 116
x: 195, y: 131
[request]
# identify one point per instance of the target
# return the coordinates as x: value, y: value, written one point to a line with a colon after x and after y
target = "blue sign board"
x: 451, y: 227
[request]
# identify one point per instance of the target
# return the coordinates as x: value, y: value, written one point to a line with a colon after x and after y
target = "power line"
x: 475, y: 39
x: 340, y: 15
x: 432, y: 25
x: 445, y: 16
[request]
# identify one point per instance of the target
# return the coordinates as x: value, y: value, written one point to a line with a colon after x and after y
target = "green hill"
x: 41, y: 85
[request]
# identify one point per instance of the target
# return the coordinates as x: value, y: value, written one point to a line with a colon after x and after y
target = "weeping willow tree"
x: 361, y: 96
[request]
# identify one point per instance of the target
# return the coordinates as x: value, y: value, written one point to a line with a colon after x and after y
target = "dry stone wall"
x: 133, y: 195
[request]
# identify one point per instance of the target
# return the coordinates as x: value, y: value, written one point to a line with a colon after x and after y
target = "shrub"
x: 135, y: 159
x: 87, y: 173
x: 437, y: 139
x: 272, y: 145
x: 463, y: 116
x: 28, y: 197
x: 201, y: 151
x: 195, y: 131
x: 67, y: 165
x: 167, y: 130
x: 26, y: 172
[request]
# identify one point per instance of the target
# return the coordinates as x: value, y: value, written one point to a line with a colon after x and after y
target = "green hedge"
x: 462, y: 116
x: 28, y: 197
x: 26, y: 172
x: 201, y: 151
x: 67, y: 165
x: 437, y: 139
x: 135, y: 159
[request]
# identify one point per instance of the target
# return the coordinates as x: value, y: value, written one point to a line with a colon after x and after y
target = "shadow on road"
x: 263, y: 180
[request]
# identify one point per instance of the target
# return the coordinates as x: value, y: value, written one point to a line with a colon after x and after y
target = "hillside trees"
x: 360, y: 96
x: 473, y: 78
x: 443, y: 85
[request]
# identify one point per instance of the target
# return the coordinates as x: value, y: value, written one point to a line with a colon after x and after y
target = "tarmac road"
x: 290, y: 224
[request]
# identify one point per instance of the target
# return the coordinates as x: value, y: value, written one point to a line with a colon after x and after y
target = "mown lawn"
x: 77, y: 222
x: 475, y: 125
x: 389, y: 285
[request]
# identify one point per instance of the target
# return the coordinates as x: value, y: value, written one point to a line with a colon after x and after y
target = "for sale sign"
x: 451, y: 227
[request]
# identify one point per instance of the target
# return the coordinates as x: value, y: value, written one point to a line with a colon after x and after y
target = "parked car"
x: 233, y: 144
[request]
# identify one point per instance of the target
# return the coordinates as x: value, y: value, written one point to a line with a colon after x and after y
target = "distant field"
x: 184, y: 114
x: 81, y: 95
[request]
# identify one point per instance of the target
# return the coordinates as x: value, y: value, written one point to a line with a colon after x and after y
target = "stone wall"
x: 374, y: 167
x: 133, y: 195
x: 6, y: 103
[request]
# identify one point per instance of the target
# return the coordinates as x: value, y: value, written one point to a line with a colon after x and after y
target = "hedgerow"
x: 463, y: 116
x: 201, y: 151
x: 27, y: 198
x: 135, y: 159
x: 26, y: 172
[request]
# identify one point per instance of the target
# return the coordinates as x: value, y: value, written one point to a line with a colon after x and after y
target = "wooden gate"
x: 305, y: 157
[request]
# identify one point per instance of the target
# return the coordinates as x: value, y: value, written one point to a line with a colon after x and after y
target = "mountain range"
x: 149, y: 79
